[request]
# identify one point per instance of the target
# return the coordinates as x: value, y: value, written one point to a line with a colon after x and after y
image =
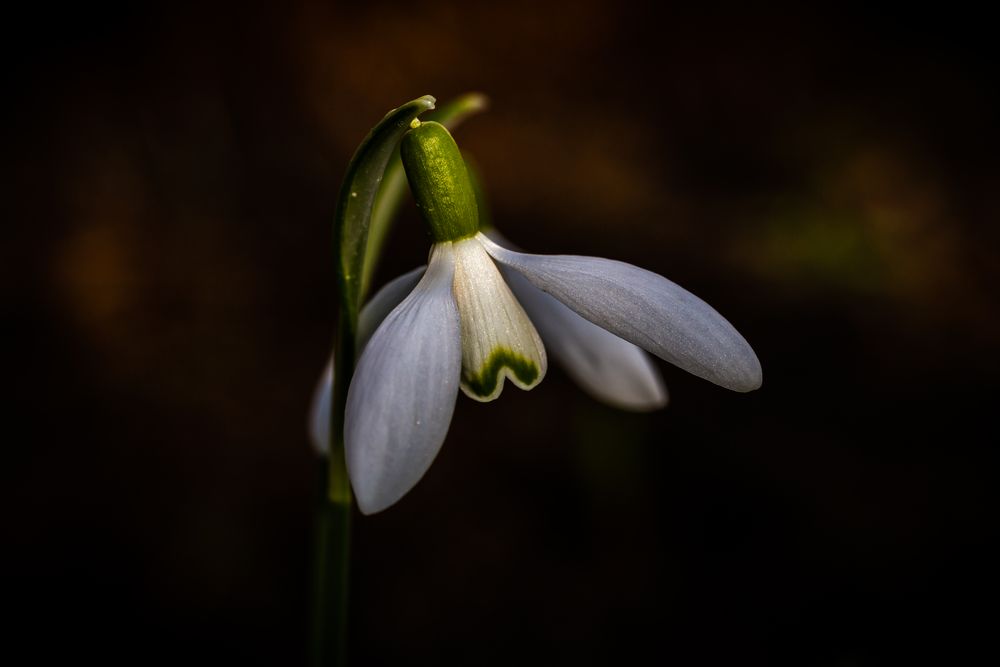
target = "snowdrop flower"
x: 458, y: 325
x: 609, y: 368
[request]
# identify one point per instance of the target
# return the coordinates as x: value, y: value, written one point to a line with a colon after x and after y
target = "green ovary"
x: 484, y: 383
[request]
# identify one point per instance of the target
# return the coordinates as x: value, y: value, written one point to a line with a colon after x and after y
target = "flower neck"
x: 440, y: 182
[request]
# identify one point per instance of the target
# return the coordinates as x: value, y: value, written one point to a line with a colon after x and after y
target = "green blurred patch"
x: 814, y: 246
x: 873, y: 221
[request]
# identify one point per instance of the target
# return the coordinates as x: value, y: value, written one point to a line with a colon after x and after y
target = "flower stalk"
x: 369, y: 199
x: 351, y: 224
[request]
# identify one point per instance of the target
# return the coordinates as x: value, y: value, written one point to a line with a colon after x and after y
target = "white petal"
x: 402, y: 396
x: 384, y: 302
x: 498, y: 339
x: 645, y: 309
x: 319, y: 411
x: 611, y: 369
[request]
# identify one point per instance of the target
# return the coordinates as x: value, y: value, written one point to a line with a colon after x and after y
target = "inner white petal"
x: 498, y: 339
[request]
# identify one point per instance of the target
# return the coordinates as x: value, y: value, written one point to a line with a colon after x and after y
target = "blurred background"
x: 828, y: 181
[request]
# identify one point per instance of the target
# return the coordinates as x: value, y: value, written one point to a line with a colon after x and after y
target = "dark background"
x: 828, y: 181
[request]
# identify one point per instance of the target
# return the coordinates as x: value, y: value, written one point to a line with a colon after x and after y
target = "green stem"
x: 333, y: 515
x: 333, y: 524
x: 338, y: 485
x: 369, y: 198
x: 331, y: 577
x: 331, y: 584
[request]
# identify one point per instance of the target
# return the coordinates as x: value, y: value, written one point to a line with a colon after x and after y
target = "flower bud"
x: 439, y: 181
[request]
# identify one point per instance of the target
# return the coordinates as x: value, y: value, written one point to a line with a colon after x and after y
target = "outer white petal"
x: 611, y: 369
x: 402, y: 396
x: 319, y: 410
x: 643, y: 308
x: 498, y: 339
x: 384, y: 302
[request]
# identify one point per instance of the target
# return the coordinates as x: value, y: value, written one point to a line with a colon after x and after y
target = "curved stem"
x: 369, y: 198
x: 333, y: 515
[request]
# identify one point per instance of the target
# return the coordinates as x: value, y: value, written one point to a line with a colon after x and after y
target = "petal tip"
x: 747, y: 378
x: 372, y: 504
x: 639, y: 398
x: 654, y: 403
x: 379, y: 482
x: 753, y: 384
x: 502, y: 364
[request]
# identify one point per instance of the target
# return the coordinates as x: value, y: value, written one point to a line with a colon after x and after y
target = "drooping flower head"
x: 461, y: 326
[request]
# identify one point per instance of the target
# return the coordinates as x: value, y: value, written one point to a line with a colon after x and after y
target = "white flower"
x: 460, y: 326
x: 609, y: 368
x: 457, y: 324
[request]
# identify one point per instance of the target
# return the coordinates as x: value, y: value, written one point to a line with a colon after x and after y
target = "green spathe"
x: 484, y: 383
x: 440, y: 182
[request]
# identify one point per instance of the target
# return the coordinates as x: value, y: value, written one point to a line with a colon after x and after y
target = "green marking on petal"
x: 484, y: 384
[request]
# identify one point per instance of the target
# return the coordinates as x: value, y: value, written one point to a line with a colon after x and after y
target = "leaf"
x: 357, y: 198
x: 351, y: 222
